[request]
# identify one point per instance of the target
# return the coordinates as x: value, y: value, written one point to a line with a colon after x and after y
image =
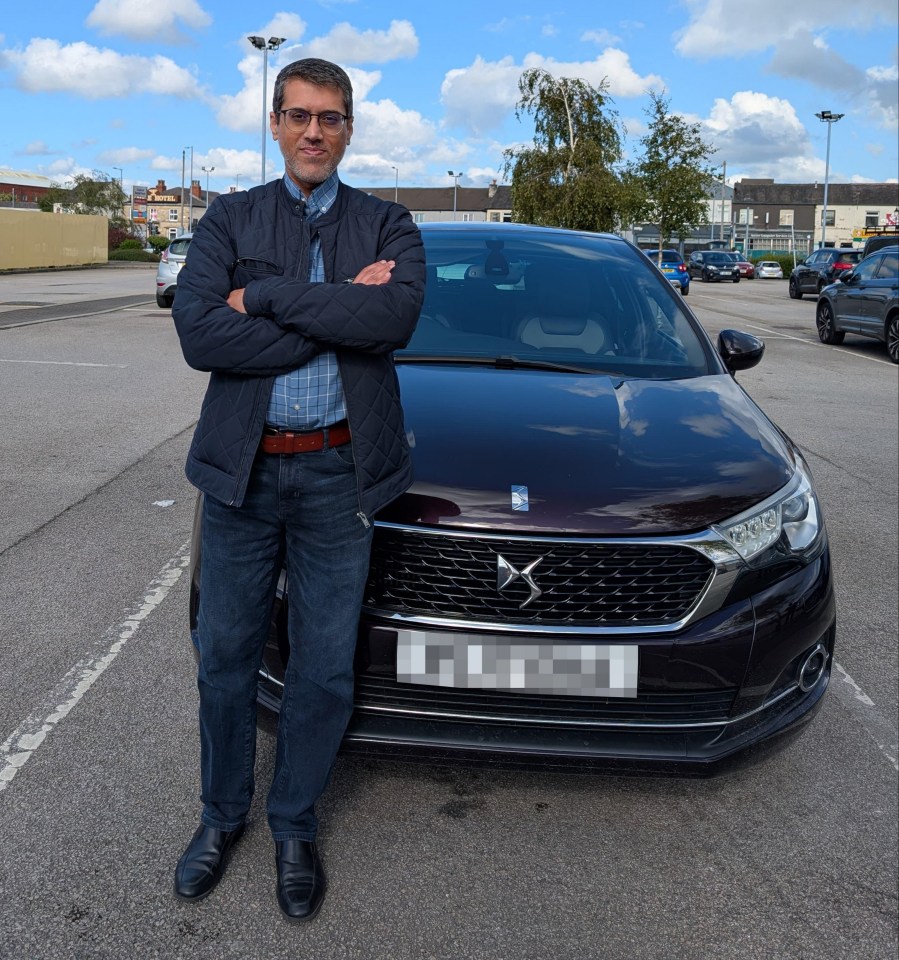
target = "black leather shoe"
x: 203, y: 862
x: 301, y: 879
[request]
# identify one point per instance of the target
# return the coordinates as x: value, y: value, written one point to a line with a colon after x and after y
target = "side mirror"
x: 739, y: 350
x: 847, y: 276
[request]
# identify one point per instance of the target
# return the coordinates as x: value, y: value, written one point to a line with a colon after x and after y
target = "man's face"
x: 313, y: 154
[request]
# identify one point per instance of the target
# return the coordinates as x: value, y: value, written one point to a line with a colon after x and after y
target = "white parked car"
x: 170, y: 263
x: 768, y: 270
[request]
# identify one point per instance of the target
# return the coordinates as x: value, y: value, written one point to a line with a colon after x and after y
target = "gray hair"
x: 322, y: 73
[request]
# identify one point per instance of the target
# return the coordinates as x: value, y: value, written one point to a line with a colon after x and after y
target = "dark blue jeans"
x: 302, y: 509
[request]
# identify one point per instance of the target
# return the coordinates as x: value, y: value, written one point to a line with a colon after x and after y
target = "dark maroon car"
x: 610, y: 556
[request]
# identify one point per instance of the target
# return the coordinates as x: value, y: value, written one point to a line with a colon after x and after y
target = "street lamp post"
x: 260, y: 44
x: 190, y: 193
x: 825, y: 116
x: 396, y: 184
x: 455, y: 177
x: 207, y: 171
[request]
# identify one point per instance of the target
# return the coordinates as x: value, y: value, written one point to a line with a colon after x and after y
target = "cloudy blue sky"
x: 132, y: 84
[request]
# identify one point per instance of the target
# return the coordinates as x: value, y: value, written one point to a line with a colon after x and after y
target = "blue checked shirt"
x: 311, y: 396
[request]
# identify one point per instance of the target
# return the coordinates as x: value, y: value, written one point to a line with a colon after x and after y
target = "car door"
x: 851, y: 295
x: 877, y: 292
x: 694, y: 267
x: 808, y: 275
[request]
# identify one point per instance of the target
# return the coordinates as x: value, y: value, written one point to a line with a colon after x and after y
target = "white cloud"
x: 713, y: 31
x: 345, y: 44
x: 36, y: 148
x: 761, y: 136
x: 46, y: 66
x: 289, y: 26
x: 137, y: 19
x: 125, y: 155
x: 383, y: 127
x: 603, y: 38
x: 480, y: 97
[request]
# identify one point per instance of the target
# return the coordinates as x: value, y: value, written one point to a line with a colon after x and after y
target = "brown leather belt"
x: 289, y: 441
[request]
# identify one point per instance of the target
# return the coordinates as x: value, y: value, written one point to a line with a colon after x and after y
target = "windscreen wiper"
x: 501, y: 363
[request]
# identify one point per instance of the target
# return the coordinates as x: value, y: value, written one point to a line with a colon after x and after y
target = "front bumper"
x: 703, y: 704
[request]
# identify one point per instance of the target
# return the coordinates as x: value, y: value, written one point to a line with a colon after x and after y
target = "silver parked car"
x: 768, y: 270
x: 170, y: 263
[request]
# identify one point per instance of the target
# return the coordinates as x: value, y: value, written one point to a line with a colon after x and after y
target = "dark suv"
x: 865, y: 303
x: 824, y: 266
x: 880, y: 240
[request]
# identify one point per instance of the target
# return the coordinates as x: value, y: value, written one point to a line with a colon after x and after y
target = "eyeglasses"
x: 297, y: 120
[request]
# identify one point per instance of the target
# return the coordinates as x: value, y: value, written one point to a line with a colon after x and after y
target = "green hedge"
x: 139, y: 256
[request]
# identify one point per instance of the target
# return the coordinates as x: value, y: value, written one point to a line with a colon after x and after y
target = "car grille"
x: 583, y: 583
x: 383, y: 692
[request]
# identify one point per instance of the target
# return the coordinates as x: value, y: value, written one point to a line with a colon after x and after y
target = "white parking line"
x: 816, y: 343
x: 20, y: 746
x: 67, y: 363
x: 861, y: 705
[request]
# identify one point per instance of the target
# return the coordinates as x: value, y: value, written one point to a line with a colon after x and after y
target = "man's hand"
x: 375, y: 274
x: 235, y: 300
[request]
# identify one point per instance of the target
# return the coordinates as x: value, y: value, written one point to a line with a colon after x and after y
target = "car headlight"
x: 792, y: 514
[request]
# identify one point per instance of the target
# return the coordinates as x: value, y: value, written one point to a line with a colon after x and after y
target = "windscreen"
x: 592, y: 303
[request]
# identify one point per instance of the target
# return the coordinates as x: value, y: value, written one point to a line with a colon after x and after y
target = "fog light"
x: 812, y: 668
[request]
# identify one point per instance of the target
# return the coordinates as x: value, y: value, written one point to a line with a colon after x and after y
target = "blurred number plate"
x: 497, y: 663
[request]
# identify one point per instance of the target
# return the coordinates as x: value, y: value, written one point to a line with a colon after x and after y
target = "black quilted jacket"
x: 259, y: 240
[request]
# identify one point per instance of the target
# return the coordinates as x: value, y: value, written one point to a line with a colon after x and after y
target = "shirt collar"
x: 322, y: 197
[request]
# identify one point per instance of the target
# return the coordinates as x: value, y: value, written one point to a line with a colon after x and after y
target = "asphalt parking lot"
x: 794, y: 858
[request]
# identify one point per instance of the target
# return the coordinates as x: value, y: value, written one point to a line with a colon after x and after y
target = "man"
x: 293, y: 297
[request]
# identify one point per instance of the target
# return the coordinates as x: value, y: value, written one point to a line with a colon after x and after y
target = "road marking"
x: 861, y: 705
x: 816, y: 343
x: 74, y: 316
x: 20, y: 746
x: 67, y: 363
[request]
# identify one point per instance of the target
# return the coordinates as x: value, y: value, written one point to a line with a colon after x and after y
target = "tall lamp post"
x: 825, y: 116
x: 190, y: 193
x: 455, y: 177
x: 260, y: 44
x: 396, y: 184
x: 207, y: 171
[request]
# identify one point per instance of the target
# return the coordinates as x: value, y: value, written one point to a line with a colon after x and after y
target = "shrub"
x: 132, y: 243
x: 157, y: 242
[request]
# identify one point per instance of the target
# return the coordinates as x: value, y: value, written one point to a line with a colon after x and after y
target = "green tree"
x: 673, y: 173
x: 568, y: 176
x: 95, y: 194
